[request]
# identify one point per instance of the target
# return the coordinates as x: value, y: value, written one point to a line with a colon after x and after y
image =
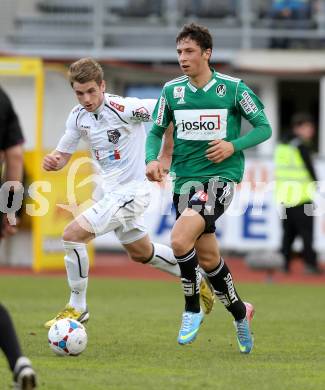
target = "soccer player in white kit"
x: 113, y: 128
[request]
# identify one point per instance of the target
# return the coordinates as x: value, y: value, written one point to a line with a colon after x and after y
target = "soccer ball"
x: 67, y: 337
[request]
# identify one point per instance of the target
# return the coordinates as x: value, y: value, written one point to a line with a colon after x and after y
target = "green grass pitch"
x: 132, y: 338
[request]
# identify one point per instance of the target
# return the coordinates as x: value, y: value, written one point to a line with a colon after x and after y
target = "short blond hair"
x: 85, y: 70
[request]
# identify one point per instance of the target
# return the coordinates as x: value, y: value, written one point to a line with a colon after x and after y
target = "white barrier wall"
x: 247, y: 224
x: 252, y: 222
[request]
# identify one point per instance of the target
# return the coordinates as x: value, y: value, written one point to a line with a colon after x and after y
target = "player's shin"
x: 163, y: 258
x: 77, y: 266
x: 222, y: 282
x: 190, y: 277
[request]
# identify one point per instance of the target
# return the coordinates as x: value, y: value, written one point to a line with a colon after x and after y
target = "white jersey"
x: 116, y: 137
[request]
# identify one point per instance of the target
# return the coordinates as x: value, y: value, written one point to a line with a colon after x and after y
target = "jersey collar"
x: 210, y: 84
x: 207, y: 86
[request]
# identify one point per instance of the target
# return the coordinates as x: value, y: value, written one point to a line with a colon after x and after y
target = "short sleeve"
x: 247, y: 102
x: 69, y: 141
x: 138, y: 110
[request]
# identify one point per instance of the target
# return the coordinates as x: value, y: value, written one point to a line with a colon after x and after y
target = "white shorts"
x: 121, y: 212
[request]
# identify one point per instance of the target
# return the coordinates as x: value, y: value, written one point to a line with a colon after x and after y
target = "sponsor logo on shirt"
x: 221, y: 90
x: 248, y: 104
x: 119, y: 107
x: 201, y: 125
x: 104, y: 156
x: 161, y: 110
x: 141, y: 114
x: 205, y: 122
x: 179, y: 92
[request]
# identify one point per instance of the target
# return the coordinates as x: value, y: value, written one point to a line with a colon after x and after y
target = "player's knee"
x: 67, y: 236
x: 208, y: 263
x: 140, y: 255
x: 139, y: 259
x: 70, y: 234
x: 140, y: 251
x: 76, y: 232
x: 179, y: 245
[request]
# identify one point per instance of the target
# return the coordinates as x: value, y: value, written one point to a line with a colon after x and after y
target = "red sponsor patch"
x: 203, y: 196
x: 119, y: 107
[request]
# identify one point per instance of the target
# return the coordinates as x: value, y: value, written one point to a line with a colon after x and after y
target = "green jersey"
x: 201, y: 115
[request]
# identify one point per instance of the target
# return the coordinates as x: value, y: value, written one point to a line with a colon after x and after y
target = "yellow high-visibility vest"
x: 293, y: 182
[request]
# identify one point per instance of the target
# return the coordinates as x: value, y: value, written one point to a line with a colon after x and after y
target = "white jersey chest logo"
x: 201, y: 125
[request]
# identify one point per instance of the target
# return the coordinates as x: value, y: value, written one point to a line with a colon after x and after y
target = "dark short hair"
x: 300, y: 119
x: 200, y: 34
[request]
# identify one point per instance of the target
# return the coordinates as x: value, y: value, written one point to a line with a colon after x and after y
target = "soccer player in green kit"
x: 206, y: 109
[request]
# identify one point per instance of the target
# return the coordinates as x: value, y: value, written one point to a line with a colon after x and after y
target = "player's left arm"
x: 252, y: 109
x: 260, y: 132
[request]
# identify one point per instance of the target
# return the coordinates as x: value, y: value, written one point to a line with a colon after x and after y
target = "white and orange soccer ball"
x: 67, y: 337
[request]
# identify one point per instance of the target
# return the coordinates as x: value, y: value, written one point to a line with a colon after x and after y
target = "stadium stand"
x: 115, y: 28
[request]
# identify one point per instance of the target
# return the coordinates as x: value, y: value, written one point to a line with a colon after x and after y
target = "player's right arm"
x: 162, y: 117
x: 166, y: 153
x: 55, y: 160
x: 67, y: 145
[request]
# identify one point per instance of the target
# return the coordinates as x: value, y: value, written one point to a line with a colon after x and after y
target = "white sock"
x: 77, y: 266
x: 163, y: 258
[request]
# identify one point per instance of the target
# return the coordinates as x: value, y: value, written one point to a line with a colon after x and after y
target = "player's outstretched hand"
x: 155, y: 171
x: 219, y: 150
x: 51, y: 162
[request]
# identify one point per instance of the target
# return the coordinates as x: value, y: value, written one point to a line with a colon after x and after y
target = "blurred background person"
x: 292, y: 14
x: 12, y: 158
x: 295, y: 176
x: 11, y: 140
